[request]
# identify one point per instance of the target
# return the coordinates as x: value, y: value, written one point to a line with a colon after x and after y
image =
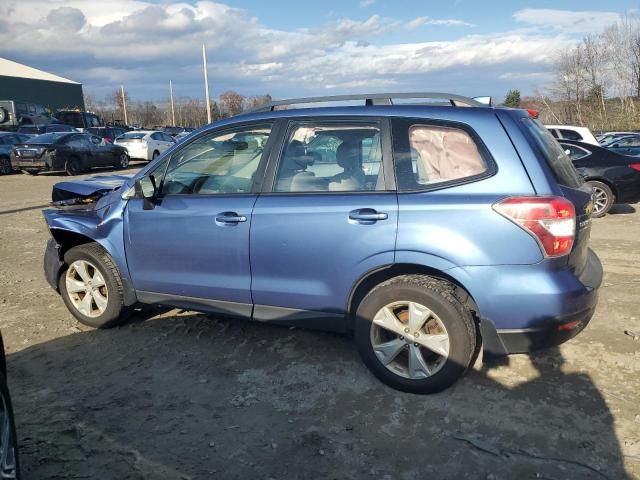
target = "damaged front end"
x: 85, y: 211
x: 84, y: 194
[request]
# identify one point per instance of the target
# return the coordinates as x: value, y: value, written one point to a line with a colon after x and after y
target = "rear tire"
x: 5, y: 166
x: 123, y: 161
x: 604, y: 198
x: 437, y: 319
x: 73, y: 166
x: 91, y: 286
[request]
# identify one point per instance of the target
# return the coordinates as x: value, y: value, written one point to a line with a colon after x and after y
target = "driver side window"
x: 217, y: 163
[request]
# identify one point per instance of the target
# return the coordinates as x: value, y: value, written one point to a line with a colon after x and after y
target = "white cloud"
x: 144, y: 44
x: 567, y: 20
x: 421, y: 21
x: 366, y: 3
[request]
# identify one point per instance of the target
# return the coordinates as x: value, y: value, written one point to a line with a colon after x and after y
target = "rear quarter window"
x: 552, y: 153
x: 434, y: 156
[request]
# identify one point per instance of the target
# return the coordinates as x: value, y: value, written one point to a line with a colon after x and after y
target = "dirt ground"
x: 176, y: 394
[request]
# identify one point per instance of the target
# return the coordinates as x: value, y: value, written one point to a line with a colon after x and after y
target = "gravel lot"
x: 176, y: 394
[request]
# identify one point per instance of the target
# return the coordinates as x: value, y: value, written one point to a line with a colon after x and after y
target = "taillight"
x: 533, y: 113
x: 551, y: 221
x: 635, y: 166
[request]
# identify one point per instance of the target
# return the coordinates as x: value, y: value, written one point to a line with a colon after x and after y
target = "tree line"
x: 188, y: 111
x: 596, y: 83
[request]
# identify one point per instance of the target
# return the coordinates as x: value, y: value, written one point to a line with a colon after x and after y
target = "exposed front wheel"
x: 155, y: 155
x: 91, y: 286
x: 414, y: 334
x: 603, y: 198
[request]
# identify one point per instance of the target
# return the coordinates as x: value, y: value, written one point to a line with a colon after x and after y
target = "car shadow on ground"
x: 622, y: 209
x: 175, y: 394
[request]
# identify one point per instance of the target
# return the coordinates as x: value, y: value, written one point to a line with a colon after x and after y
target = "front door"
x: 330, y: 217
x: 192, y: 248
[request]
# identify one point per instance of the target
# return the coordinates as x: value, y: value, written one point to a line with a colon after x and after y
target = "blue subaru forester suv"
x: 429, y: 230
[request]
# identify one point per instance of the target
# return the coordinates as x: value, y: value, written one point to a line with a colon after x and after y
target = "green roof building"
x: 26, y: 84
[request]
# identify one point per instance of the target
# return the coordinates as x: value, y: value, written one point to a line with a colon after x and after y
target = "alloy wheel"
x: 124, y: 160
x: 86, y: 288
x: 8, y: 468
x: 409, y: 340
x: 600, y: 200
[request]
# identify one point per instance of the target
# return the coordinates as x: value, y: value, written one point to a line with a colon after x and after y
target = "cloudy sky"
x: 291, y: 48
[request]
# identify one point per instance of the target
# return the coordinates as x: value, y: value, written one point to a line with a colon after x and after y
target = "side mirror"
x: 147, y: 190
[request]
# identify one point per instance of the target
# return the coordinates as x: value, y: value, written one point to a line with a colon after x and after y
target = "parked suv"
x: 14, y: 114
x: 429, y: 231
x: 79, y: 119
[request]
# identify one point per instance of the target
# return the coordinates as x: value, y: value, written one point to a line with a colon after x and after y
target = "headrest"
x: 348, y: 155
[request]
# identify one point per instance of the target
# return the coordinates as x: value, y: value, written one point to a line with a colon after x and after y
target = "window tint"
x: 428, y: 155
x: 92, y: 120
x: 570, y: 135
x: 78, y: 141
x: 575, y: 152
x: 553, y: 153
x: 629, y: 142
x: 155, y: 136
x: 217, y: 163
x: 331, y: 158
x: 21, y: 108
x: 554, y: 132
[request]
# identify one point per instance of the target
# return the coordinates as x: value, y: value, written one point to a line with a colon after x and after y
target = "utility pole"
x: 206, y: 83
x: 173, y: 112
x: 124, y: 105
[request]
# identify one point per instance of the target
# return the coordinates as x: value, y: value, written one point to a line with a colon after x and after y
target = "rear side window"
x: 433, y: 155
x: 555, y: 156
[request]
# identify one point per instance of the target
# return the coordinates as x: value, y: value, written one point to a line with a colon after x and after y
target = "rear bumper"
x: 529, y: 307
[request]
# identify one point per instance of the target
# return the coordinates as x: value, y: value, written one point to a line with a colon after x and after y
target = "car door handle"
x: 367, y: 215
x: 230, y: 217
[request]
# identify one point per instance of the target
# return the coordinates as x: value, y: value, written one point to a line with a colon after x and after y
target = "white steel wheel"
x: 86, y: 288
x: 409, y: 339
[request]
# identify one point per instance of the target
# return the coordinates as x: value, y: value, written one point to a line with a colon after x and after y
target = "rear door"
x: 328, y: 214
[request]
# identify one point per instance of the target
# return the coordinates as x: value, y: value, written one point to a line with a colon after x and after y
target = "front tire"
x: 91, y: 286
x: 414, y: 334
x: 604, y: 198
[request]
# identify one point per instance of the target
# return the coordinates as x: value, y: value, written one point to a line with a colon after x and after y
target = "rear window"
x: 131, y: 135
x: 47, y: 138
x: 555, y: 156
x: 570, y: 135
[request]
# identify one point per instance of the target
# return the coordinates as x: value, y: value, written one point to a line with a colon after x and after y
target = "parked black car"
x: 109, y: 134
x: 49, y: 128
x: 615, y: 178
x: 7, y: 141
x: 71, y: 152
x: 9, y: 463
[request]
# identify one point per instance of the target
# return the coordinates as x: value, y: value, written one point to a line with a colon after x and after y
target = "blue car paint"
x: 301, y: 253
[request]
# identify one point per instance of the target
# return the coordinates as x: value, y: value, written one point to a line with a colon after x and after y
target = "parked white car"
x: 571, y: 132
x: 145, y: 144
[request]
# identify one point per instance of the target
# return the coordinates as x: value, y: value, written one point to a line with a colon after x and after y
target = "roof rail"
x: 374, y: 99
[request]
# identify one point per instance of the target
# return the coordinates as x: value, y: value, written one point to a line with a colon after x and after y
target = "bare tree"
x: 232, y: 103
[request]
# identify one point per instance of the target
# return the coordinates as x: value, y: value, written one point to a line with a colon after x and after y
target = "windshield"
x: 131, y: 135
x: 553, y: 153
x: 47, y: 138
